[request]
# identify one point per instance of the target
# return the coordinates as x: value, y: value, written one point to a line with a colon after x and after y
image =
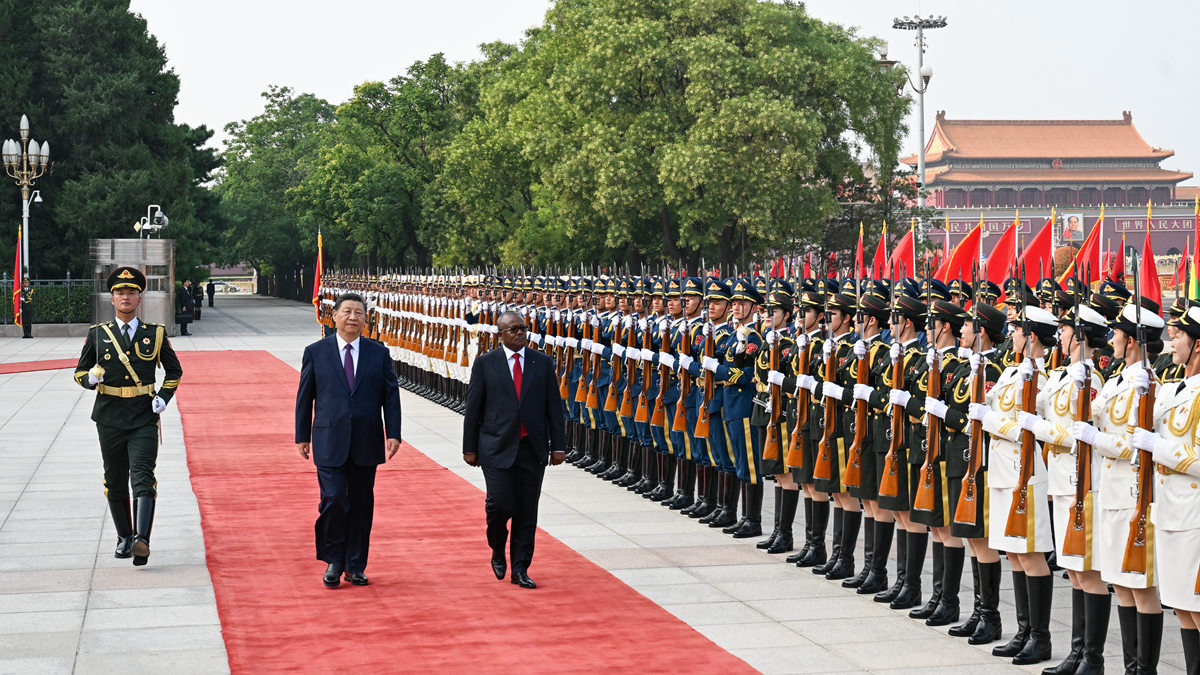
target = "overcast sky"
x: 1021, y: 59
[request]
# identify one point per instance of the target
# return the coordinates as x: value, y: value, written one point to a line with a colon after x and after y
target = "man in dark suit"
x: 512, y: 427
x: 351, y: 380
x: 187, y: 305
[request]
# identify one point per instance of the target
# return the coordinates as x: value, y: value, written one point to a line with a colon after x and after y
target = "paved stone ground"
x: 66, y: 605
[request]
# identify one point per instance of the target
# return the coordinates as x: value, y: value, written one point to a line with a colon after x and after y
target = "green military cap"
x: 126, y: 277
x: 909, y: 306
x: 990, y: 319
x: 874, y: 304
x: 1177, y: 308
x: 842, y: 301
x: 812, y: 298
x: 944, y: 310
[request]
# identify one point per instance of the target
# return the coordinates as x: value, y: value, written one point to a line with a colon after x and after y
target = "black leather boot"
x: 947, y: 609
x: 989, y: 628
x: 787, y: 514
x: 739, y: 490
x: 707, y: 503
x: 687, y: 487
x: 1096, y: 609
x: 1078, y: 622
x: 808, y: 538
x: 729, y: 515
x: 835, y: 541
x: 1191, y: 650
x: 1149, y: 636
x: 1021, y: 599
x: 936, y: 596
x: 753, y: 525
x: 123, y: 521
x: 1041, y: 597
x: 877, y: 577
x: 666, y: 479
x: 620, y: 458
x: 868, y: 532
x: 1127, y: 619
x: 966, y: 628
x: 901, y: 539
x: 717, y: 497
x: 910, y: 593
x: 820, y: 520
x: 766, y: 543
x: 145, y: 522
x: 844, y: 567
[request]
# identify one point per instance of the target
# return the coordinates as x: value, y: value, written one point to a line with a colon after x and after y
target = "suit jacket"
x: 345, y: 424
x: 493, y: 419
x: 186, y: 299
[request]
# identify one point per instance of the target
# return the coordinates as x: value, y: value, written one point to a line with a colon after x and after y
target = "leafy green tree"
x: 95, y: 84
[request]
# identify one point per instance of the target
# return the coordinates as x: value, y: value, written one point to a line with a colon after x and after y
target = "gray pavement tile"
x: 794, y: 660
x: 758, y: 573
x: 150, y: 576
x: 69, y: 561
x: 709, y: 613
x: 823, y: 630
x: 679, y: 594
x: 36, y: 581
x: 150, y: 597
x: 625, y: 558
x: 56, y: 621
x: 142, y: 617
x: 36, y: 645
x: 653, y: 576
x: 608, y: 541
x: 798, y: 587
x: 163, y: 639
x: 42, y: 602
x: 739, y: 554
x: 48, y: 665
x: 753, y: 635
x: 199, y: 661
x: 712, y: 538
x: 798, y: 609
x: 934, y: 651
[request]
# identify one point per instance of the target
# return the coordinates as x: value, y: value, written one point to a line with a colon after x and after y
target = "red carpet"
x: 30, y: 366
x: 433, y: 604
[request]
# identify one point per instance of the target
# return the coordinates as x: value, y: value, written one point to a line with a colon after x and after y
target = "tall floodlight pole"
x: 25, y: 162
x: 926, y: 72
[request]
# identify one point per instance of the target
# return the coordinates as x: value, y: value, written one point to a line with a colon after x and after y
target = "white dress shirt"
x: 508, y: 354
x: 133, y: 326
x: 353, y: 351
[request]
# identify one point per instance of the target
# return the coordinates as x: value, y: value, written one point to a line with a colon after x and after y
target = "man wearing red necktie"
x: 513, y: 427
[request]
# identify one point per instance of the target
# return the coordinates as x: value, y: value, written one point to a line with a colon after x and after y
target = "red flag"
x: 1149, y: 273
x: 808, y: 265
x: 1038, y: 254
x: 879, y: 263
x: 999, y: 262
x: 902, y: 262
x: 1117, y: 271
x: 833, y: 268
x: 16, y: 290
x: 316, y: 299
x: 959, y: 263
x: 859, y: 270
x: 1180, y: 275
x: 1088, y: 257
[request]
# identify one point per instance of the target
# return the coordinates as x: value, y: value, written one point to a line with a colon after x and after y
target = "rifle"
x: 592, y: 395
x: 659, y: 417
x: 631, y: 367
x: 702, y: 413
x: 611, y: 404
x: 771, y: 446
x: 923, y: 499
x: 823, y: 465
x: 1135, y: 545
x: 643, y: 404
x: 1075, y: 539
x: 1019, y: 514
x: 568, y: 356
x: 966, y: 512
x: 685, y: 381
x: 889, y: 483
x: 853, y: 477
x: 795, y: 456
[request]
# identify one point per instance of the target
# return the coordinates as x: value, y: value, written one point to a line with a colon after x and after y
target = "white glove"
x: 965, y: 352
x: 1140, y: 380
x: 665, y: 359
x: 93, y: 380
x: 555, y: 314
x: 685, y: 362
x: 633, y: 353
x: 775, y: 377
x: 899, y: 397
x: 977, y: 411
x: 158, y: 405
x: 536, y: 338
x: 930, y: 357
x: 1027, y: 420
x: 827, y: 348
x: 1078, y: 372
x: 974, y: 360
x: 802, y: 340
x: 1145, y: 440
x: 936, y: 408
x: 707, y: 330
x: 807, y: 382
x: 831, y: 390
x: 1025, y: 370
x: 595, y: 321
x: 643, y: 324
x: 618, y: 350
x: 586, y: 345
x: 770, y: 338
x: 662, y: 324
x: 627, y: 323
x: 860, y: 349
x: 1084, y: 433
x: 597, y: 348
x: 894, y: 352
x: 862, y: 392
x: 710, y: 364
x: 573, y: 343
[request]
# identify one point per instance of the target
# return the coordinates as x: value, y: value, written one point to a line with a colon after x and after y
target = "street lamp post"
x: 25, y: 162
x: 926, y: 72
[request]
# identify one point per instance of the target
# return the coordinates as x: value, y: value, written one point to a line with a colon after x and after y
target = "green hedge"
x: 53, y: 302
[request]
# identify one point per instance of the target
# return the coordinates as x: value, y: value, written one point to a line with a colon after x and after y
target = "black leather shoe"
x: 766, y: 543
x: 357, y: 578
x: 908, y: 597
x: 842, y: 569
x: 799, y: 555
x: 927, y: 610
x: 876, y: 582
x: 124, y: 547
x: 499, y: 568
x: 817, y: 556
x: 860, y: 578
x: 522, y: 579
x: 730, y: 529
x: 747, y: 530
x: 333, y: 575
x: 782, y: 544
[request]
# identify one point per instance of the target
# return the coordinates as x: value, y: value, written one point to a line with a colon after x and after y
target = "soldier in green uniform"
x: 118, y: 361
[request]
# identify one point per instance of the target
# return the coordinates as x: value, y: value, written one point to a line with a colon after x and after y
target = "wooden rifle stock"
x: 889, y: 482
x: 795, y: 456
x: 923, y: 498
x: 853, y: 477
x: 823, y: 465
x: 1021, y: 511
x: 643, y: 405
x: 568, y: 356
x: 1075, y: 539
x: 1135, y: 545
x: 611, y: 404
x: 679, y: 424
x: 659, y: 417
x: 967, y: 510
x: 630, y: 374
x: 771, y: 447
x: 702, y: 421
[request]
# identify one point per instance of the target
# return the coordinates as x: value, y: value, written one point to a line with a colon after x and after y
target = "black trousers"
x: 129, y: 458
x: 513, y: 494
x: 347, y: 508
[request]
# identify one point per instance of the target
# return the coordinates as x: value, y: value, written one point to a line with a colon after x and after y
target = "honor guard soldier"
x: 118, y: 360
x: 773, y: 367
x: 1165, y: 367
x: 831, y: 446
